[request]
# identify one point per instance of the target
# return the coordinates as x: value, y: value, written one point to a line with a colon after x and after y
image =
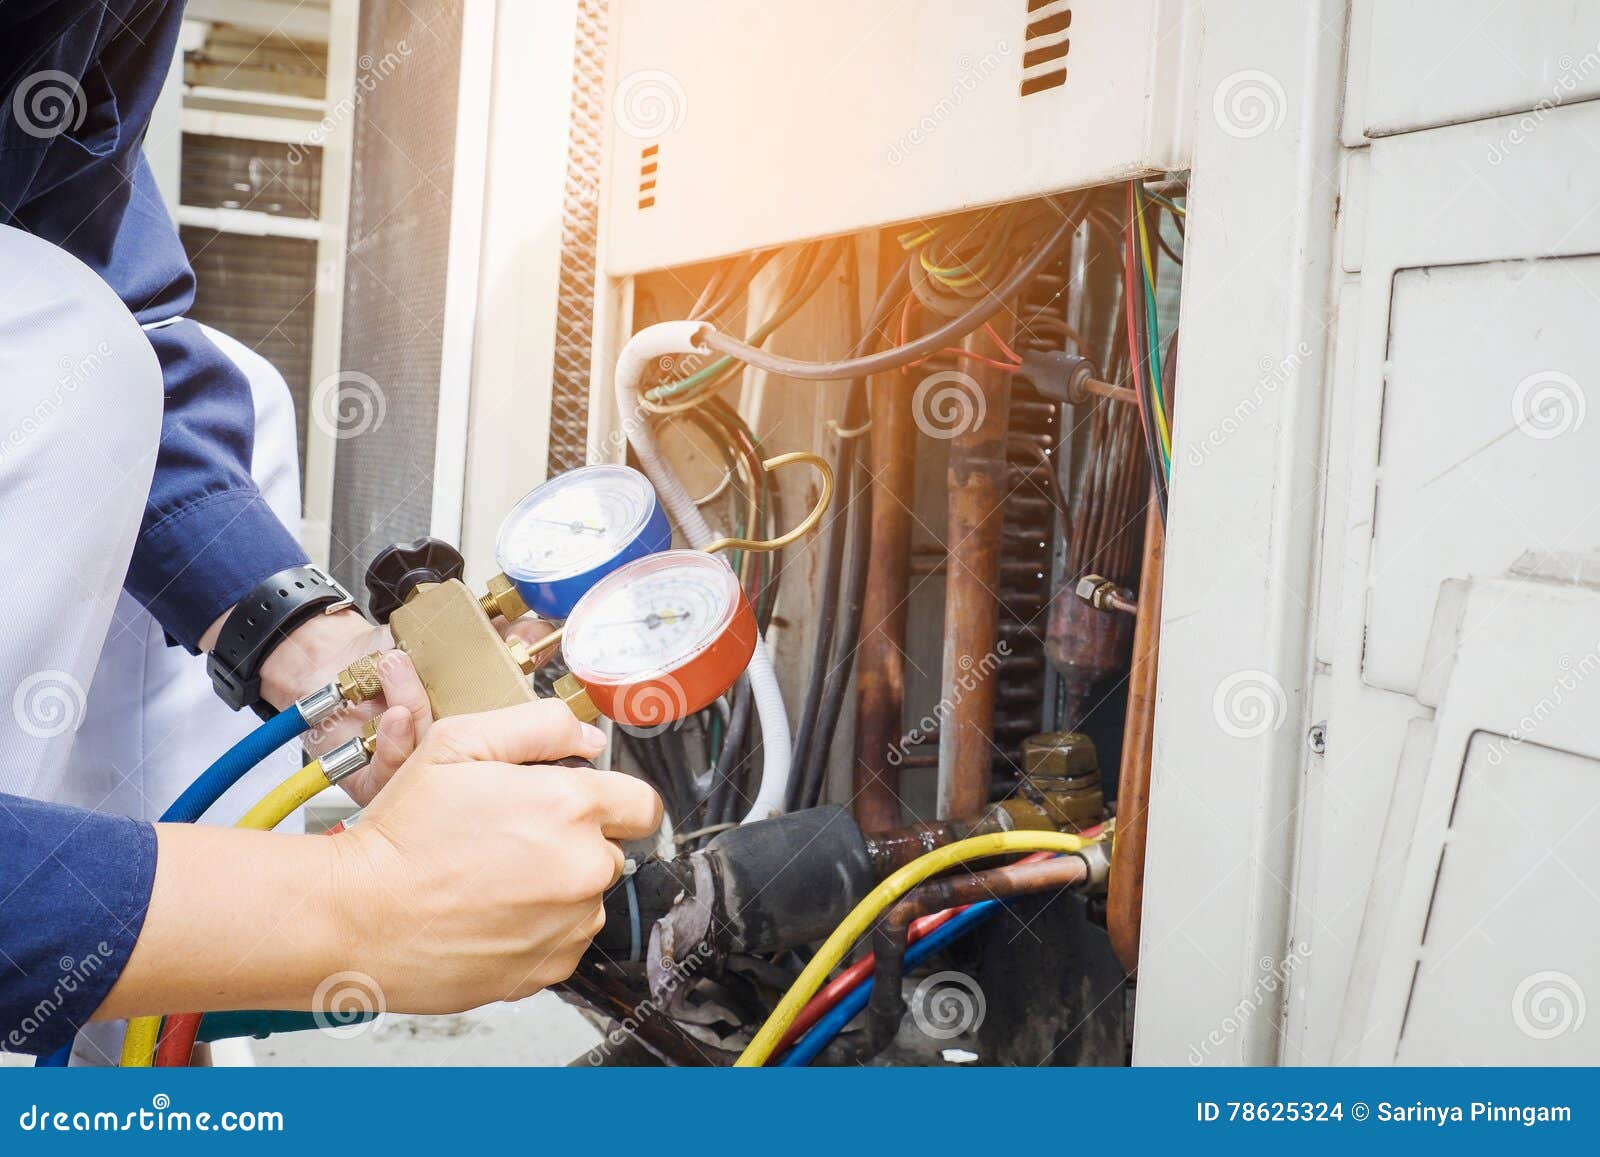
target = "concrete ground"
x: 542, y: 1030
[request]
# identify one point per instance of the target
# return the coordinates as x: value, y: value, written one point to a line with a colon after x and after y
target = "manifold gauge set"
x: 653, y: 634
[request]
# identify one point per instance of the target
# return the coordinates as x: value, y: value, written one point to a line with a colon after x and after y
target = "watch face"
x: 574, y: 523
x: 651, y: 617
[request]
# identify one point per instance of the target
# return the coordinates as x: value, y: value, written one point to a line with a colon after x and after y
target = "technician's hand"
x: 325, y: 645
x: 472, y: 878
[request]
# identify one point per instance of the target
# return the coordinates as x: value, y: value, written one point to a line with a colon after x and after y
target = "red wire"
x: 839, y: 987
x: 953, y: 352
x: 1005, y: 349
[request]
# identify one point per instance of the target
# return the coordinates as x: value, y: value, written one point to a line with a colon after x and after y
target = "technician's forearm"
x: 237, y: 919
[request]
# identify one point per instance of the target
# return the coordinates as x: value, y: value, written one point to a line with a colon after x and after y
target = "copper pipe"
x: 1125, y: 899
x: 1096, y: 387
x: 886, y: 1006
x: 977, y: 479
x: 880, y: 663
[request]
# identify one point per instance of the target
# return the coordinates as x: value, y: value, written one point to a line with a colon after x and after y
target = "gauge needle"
x: 575, y: 526
x: 652, y: 620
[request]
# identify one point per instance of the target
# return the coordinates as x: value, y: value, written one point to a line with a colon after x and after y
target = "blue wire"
x: 198, y: 797
x: 822, y: 1033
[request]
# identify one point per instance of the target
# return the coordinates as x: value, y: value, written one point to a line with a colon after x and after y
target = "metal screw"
x: 1317, y: 738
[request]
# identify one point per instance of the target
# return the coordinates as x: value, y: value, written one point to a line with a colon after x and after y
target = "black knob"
x: 396, y: 571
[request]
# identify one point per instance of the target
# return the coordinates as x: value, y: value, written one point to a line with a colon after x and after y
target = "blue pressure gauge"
x: 569, y: 533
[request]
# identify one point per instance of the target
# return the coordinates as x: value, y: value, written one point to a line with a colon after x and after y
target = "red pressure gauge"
x: 661, y: 637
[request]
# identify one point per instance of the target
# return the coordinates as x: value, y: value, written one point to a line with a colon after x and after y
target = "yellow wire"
x: 139, y: 1043
x: 1160, y: 407
x: 877, y: 902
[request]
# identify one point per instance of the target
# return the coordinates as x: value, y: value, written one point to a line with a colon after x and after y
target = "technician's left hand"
x: 322, y: 647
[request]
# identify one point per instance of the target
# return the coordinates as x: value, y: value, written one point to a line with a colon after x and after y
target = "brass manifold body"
x: 465, y: 665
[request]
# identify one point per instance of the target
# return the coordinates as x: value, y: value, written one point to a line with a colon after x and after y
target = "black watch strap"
x: 259, y: 622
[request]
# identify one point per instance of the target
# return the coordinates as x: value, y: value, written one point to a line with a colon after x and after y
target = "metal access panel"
x: 735, y: 125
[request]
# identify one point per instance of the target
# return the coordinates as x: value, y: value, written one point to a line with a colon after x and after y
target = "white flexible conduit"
x: 644, y: 350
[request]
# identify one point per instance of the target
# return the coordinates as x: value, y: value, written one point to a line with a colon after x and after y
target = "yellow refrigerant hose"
x: 879, y: 901
x: 139, y: 1045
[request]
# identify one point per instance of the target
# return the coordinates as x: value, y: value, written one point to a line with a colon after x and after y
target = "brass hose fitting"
x: 359, y: 682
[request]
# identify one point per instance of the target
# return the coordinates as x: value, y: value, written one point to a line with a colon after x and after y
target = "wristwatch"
x: 259, y: 622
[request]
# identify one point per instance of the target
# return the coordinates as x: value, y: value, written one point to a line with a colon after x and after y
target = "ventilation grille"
x: 264, y: 176
x: 649, y: 162
x: 569, y: 389
x: 402, y: 170
x: 1044, y: 56
x: 260, y: 291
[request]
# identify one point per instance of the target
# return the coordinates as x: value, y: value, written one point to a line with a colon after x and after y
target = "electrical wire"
x: 139, y: 1044
x: 894, y: 358
x: 878, y: 901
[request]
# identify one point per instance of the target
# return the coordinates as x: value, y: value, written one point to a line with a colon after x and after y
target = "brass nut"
x: 503, y: 600
x: 523, y: 657
x: 574, y: 695
x: 359, y: 682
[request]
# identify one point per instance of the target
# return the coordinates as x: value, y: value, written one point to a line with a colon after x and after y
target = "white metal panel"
x: 1494, y: 900
x: 1236, y: 625
x: 521, y: 264
x: 1428, y: 200
x: 1487, y: 376
x: 771, y: 122
x: 1429, y: 63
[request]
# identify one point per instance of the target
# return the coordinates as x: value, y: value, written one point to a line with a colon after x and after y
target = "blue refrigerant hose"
x: 199, y: 796
x: 832, y: 1024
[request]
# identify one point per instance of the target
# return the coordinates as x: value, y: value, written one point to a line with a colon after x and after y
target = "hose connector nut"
x: 503, y: 600
x: 359, y: 682
x: 322, y: 704
x: 1096, y: 858
x: 350, y: 756
x: 1104, y: 595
